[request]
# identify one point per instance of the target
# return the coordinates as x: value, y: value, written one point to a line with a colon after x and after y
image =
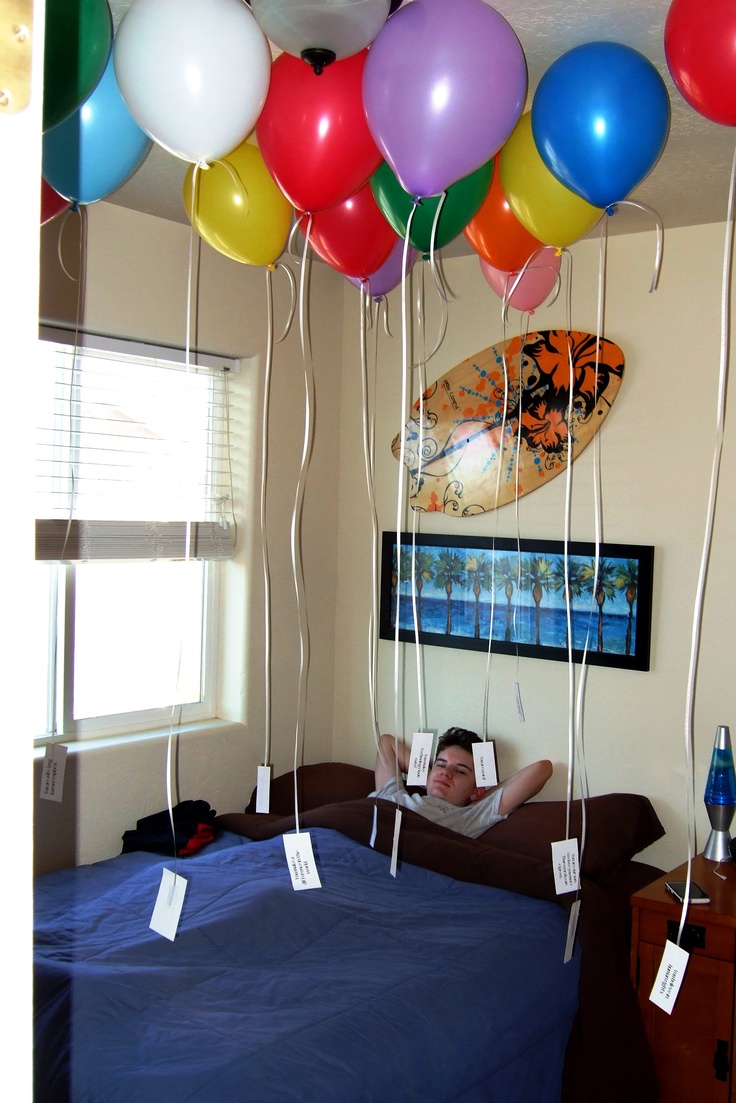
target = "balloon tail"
x: 292, y: 307
x: 660, y: 235
x: 240, y: 186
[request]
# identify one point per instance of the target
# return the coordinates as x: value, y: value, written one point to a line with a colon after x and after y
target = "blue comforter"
x: 372, y: 988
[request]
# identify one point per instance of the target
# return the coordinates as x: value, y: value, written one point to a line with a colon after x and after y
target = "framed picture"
x: 450, y: 590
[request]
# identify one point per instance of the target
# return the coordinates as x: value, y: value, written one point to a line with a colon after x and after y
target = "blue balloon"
x: 600, y: 119
x: 98, y: 148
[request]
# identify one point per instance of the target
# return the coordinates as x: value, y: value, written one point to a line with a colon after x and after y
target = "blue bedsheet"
x: 372, y: 988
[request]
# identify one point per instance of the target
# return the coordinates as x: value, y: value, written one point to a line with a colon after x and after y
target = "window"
x: 134, y: 509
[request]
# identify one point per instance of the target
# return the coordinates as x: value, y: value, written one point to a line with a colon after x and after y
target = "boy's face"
x: 452, y: 777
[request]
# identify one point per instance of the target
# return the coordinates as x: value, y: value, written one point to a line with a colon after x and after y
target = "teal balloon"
x: 96, y: 149
x: 77, y: 43
x: 462, y: 201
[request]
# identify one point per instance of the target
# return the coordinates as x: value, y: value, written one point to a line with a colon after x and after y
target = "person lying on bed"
x: 452, y: 798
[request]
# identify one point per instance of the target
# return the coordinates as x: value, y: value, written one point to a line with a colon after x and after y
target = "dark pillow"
x: 618, y: 826
x: 318, y: 784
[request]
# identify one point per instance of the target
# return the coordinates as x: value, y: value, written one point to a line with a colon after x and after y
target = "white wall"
x: 136, y: 286
x: 656, y: 449
x: 656, y: 453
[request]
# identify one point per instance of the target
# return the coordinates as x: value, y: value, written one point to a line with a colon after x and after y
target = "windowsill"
x: 198, y: 727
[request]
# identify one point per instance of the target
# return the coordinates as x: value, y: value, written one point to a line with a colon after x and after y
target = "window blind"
x: 133, y: 456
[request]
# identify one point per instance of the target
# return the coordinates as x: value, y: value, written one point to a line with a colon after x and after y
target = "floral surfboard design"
x: 506, y: 420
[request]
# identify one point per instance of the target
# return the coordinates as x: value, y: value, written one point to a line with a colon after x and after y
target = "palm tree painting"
x: 539, y: 598
x: 536, y: 577
x: 479, y: 572
x: 627, y: 580
x: 600, y: 578
x: 567, y: 578
x: 506, y: 578
x: 449, y: 570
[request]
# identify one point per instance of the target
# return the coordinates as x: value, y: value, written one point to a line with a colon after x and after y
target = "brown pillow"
x: 318, y: 784
x: 618, y: 826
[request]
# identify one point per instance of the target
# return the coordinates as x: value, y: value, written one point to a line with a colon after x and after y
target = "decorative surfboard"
x: 499, y: 424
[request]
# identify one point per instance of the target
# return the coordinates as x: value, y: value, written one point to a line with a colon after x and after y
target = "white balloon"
x: 194, y: 74
x: 342, y: 26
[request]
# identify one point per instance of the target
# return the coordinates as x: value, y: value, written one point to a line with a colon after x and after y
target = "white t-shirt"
x: 469, y: 819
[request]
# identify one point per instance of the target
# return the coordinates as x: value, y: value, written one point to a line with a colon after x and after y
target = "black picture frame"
x: 617, y: 629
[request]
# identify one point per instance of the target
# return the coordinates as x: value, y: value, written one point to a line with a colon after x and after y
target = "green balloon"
x: 76, y: 50
x: 462, y: 202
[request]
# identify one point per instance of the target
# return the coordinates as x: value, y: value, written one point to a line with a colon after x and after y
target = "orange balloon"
x: 496, y: 233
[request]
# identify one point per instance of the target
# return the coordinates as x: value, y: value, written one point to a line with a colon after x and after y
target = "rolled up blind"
x: 133, y: 454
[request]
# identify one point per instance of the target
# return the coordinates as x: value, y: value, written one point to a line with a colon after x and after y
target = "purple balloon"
x: 443, y: 87
x: 389, y: 275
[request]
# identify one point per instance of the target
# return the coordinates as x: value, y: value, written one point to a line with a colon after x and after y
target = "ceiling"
x: 689, y: 185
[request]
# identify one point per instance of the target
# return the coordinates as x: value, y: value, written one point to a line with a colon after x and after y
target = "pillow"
x: 318, y: 784
x: 618, y: 826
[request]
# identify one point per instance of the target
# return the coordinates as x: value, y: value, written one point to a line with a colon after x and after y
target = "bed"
x: 445, y: 983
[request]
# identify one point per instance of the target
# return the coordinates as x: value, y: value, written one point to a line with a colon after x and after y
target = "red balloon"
x: 51, y: 202
x: 353, y: 237
x: 496, y: 233
x: 313, y: 133
x: 700, y: 48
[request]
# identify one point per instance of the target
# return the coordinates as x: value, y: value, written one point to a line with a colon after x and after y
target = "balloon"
x: 700, y: 48
x: 334, y: 28
x: 353, y: 238
x: 459, y: 204
x: 600, y: 119
x: 550, y: 211
x: 313, y: 134
x: 194, y: 75
x: 52, y: 204
x: 496, y: 233
x: 445, y: 83
x: 78, y: 37
x: 534, y: 285
x: 237, y: 207
x: 389, y: 275
x: 96, y: 149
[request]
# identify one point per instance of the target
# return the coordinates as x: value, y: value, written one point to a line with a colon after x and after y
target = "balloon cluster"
x: 404, y: 129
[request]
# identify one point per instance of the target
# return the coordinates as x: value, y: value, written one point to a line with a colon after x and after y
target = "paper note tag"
x: 419, y: 758
x: 300, y: 860
x: 669, y: 976
x: 395, y: 844
x: 484, y: 758
x: 565, y: 865
x: 572, y: 927
x: 167, y: 909
x: 519, y: 706
x: 263, y: 789
x: 52, y: 772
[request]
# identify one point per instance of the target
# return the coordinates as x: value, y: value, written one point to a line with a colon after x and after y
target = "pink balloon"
x: 536, y: 283
x: 389, y: 275
x: 444, y: 85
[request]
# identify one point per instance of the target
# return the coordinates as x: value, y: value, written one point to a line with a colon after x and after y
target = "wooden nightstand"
x: 693, y: 1047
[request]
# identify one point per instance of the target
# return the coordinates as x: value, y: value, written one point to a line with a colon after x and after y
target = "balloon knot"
x: 558, y: 251
x: 74, y: 206
x: 416, y: 200
x: 611, y: 209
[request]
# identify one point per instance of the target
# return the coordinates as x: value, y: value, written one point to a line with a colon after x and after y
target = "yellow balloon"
x: 550, y: 212
x: 236, y: 206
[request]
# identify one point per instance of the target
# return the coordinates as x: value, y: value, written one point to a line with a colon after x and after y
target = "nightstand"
x: 693, y: 1047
